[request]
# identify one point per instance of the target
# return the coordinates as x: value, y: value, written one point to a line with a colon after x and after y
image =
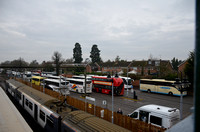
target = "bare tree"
x: 57, y: 58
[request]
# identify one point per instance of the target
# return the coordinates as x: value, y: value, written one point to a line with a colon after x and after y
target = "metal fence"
x: 121, y: 120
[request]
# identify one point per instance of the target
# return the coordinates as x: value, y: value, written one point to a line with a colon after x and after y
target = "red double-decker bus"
x: 104, y: 85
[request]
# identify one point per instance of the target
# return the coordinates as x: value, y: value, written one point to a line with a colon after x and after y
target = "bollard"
x: 134, y: 95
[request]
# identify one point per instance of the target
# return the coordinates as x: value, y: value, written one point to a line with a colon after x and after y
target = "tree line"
x: 57, y: 60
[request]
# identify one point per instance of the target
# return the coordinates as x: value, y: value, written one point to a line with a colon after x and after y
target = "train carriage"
x: 56, y: 116
x: 33, y: 102
x: 81, y: 121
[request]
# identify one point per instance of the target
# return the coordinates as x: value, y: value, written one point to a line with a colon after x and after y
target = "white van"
x: 157, y: 115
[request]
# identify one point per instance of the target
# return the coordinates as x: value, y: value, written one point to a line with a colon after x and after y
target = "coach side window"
x: 42, y: 115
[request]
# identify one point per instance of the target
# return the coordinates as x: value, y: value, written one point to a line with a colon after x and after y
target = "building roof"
x: 160, y: 109
x: 115, y: 64
x: 183, y: 63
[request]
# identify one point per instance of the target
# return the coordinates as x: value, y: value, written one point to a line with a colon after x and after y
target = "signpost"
x: 91, y: 99
x: 104, y: 102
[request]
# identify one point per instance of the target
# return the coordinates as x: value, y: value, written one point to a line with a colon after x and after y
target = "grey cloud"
x: 131, y: 29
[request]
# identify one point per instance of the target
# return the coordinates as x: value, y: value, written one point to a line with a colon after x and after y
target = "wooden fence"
x: 121, y: 120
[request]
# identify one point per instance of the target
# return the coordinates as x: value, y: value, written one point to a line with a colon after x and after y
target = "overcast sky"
x: 131, y: 29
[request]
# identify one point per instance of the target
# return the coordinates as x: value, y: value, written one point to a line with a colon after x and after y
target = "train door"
x: 35, y: 112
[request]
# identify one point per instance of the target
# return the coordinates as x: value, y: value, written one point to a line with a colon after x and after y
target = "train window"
x: 26, y: 102
x: 18, y: 94
x: 35, y: 79
x: 50, y: 121
x: 30, y: 105
x: 42, y: 115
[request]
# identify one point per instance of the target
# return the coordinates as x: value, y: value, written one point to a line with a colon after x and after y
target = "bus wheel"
x: 148, y: 91
x: 170, y: 93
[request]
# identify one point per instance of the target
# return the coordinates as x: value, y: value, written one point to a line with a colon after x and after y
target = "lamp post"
x: 127, y: 77
x: 112, y: 98
x: 127, y: 83
x: 181, y: 86
x: 112, y: 102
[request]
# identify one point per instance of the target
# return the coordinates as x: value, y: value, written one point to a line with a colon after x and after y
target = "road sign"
x: 104, y: 102
x: 90, y: 98
x: 90, y: 106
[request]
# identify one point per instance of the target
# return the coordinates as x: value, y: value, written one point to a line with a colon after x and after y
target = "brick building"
x: 144, y: 67
x: 181, y: 68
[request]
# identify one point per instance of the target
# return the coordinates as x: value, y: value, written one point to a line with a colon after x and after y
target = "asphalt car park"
x: 128, y: 104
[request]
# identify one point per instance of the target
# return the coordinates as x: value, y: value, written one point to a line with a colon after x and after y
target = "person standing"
x: 119, y: 111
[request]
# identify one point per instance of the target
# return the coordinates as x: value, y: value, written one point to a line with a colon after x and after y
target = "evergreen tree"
x: 77, y: 53
x: 175, y: 63
x: 189, y: 68
x: 95, y: 54
x: 117, y: 59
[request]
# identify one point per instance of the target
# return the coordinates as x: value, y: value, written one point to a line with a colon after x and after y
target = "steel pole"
x: 65, y: 91
x: 127, y: 83
x: 85, y: 105
x: 85, y: 83
x: 181, y: 105
x: 197, y: 70
x: 112, y: 102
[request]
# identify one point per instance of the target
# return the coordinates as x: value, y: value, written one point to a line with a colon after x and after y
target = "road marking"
x: 132, y: 99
